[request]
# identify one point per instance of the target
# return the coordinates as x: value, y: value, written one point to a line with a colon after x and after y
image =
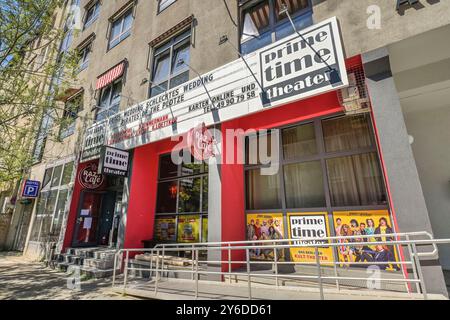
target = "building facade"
x: 357, y: 101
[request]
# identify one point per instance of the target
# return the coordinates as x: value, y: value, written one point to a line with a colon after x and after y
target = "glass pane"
x: 57, y: 176
x: 205, y: 195
x: 160, y: 88
x: 356, y: 181
x: 36, y: 229
x: 189, y: 229
x: 165, y: 229
x: 254, y: 148
x: 189, y: 199
x: 181, y: 58
x: 104, y: 101
x: 180, y: 79
x: 51, y: 202
x: 301, y: 22
x: 167, y: 197
x: 167, y: 169
x: 67, y: 173
x: 163, y: 4
x: 162, y: 68
x: 262, y: 192
x: 256, y: 19
x: 47, y: 177
x: 116, y: 93
x: 192, y: 168
x: 304, y: 185
x: 128, y: 21
x: 60, y: 209
x: 347, y: 133
x: 115, y: 31
x: 299, y: 142
x: 40, y: 209
x: 293, y: 7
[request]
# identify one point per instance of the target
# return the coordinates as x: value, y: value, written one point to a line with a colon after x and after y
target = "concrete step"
x: 101, y: 264
x: 96, y: 273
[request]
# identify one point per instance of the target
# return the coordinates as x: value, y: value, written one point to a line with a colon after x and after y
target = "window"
x: 182, y: 201
x: 121, y: 28
x: 263, y: 23
x: 328, y: 165
x: 85, y: 54
x: 52, y: 203
x: 110, y: 97
x: 170, y: 64
x: 92, y: 13
x: 71, y: 110
x: 163, y: 4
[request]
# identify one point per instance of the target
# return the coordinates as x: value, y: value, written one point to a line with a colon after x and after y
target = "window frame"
x: 110, y: 86
x: 88, y: 21
x: 175, y: 42
x: 85, y: 52
x: 159, y: 6
x: 69, y: 130
x: 113, y: 42
x: 245, y: 5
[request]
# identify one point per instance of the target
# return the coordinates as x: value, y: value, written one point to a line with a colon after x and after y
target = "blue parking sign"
x: 31, y: 189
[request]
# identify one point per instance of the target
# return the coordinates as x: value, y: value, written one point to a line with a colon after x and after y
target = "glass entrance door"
x: 87, y: 224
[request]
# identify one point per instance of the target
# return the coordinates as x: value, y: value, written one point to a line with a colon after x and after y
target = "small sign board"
x: 31, y: 189
x: 114, y: 162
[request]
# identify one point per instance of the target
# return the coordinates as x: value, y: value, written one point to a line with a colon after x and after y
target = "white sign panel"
x: 306, y: 228
x: 114, y: 162
x: 289, y: 70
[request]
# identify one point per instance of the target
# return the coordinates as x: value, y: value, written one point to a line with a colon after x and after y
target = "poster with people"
x: 204, y: 229
x: 165, y: 229
x: 309, y: 228
x: 189, y: 229
x: 375, y: 224
x: 265, y: 227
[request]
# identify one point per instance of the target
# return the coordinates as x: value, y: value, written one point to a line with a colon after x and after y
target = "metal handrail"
x: 195, y: 249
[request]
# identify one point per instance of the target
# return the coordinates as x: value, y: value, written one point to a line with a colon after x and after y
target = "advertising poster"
x: 375, y: 223
x: 265, y: 227
x: 189, y: 229
x: 306, y: 227
x: 165, y: 229
x: 204, y: 229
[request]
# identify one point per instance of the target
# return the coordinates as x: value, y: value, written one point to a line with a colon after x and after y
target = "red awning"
x: 110, y: 75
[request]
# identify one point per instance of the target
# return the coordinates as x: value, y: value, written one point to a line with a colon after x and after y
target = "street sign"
x: 31, y: 189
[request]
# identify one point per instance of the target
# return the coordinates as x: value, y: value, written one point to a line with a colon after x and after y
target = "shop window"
x: 304, y: 185
x: 47, y: 177
x: 264, y: 23
x: 170, y: 64
x: 56, y: 178
x: 189, y: 196
x: 255, y: 145
x: 70, y: 115
x: 164, y: 4
x: 121, y: 28
x: 299, y: 142
x: 67, y: 173
x: 263, y: 191
x: 347, y: 133
x: 356, y: 181
x: 167, y: 169
x: 167, y: 197
x: 110, y: 97
x: 59, y: 211
x: 92, y: 13
x: 165, y: 229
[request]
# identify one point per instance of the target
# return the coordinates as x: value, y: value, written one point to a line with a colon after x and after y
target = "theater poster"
x: 309, y: 228
x: 189, y: 229
x: 204, y: 229
x: 265, y: 226
x: 374, y: 223
x: 165, y: 229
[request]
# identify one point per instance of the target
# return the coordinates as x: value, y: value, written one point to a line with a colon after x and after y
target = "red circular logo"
x: 201, y: 143
x: 89, y: 177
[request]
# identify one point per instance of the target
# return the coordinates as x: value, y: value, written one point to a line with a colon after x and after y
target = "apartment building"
x: 358, y: 95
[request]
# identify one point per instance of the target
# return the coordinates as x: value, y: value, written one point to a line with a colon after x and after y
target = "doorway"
x: 94, y: 219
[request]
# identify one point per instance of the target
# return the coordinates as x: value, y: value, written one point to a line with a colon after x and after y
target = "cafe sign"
x: 89, y: 178
x: 292, y: 69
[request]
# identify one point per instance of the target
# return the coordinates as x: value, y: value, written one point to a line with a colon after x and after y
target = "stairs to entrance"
x: 94, y: 263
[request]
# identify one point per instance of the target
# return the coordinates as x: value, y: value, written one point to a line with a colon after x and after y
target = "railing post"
x: 229, y: 262
x: 193, y: 262
x: 247, y: 253
x: 336, y: 274
x: 151, y: 264
x: 114, y: 271
x: 420, y: 273
x: 275, y: 256
x: 413, y: 264
x: 125, y: 278
x: 319, y: 274
x: 157, y: 272
x: 196, y: 273
x: 162, y: 262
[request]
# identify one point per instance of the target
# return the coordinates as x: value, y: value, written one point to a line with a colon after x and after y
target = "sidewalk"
x: 24, y: 280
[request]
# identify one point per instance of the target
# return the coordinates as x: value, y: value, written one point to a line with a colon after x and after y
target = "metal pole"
x: 162, y: 263
x: 229, y: 262
x: 125, y: 278
x: 319, y: 273
x: 193, y: 262
x: 419, y: 270
x: 151, y: 264
x: 247, y: 253
x: 336, y: 274
x: 156, y: 272
x: 114, y: 271
x: 275, y: 256
x: 413, y: 265
x: 196, y: 273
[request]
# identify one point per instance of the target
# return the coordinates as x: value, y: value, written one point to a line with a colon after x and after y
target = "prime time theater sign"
x: 294, y: 68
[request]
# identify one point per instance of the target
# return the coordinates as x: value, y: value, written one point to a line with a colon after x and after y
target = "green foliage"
x: 33, y: 73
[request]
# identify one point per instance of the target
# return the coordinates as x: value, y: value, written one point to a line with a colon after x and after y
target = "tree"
x: 35, y: 68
